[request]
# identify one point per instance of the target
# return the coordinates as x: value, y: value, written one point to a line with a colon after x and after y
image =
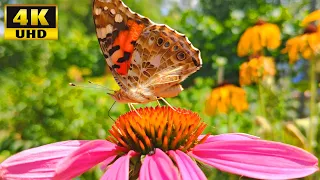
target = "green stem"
x: 220, y: 74
x: 313, y: 105
x: 230, y: 120
x: 262, y: 100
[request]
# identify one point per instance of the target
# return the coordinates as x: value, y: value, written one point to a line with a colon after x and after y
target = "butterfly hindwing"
x: 162, y: 57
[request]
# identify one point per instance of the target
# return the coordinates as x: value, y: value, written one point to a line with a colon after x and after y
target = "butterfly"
x: 147, y: 60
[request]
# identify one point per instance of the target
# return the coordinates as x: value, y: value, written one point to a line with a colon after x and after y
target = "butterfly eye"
x: 159, y: 41
x: 166, y: 44
x: 181, y: 56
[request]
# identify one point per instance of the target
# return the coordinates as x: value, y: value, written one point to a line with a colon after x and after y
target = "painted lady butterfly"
x: 148, y: 60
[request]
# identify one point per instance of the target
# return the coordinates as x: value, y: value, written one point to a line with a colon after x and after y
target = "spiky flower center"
x: 161, y: 127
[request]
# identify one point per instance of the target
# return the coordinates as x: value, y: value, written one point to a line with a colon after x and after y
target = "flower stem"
x: 313, y: 107
x: 220, y: 74
x: 230, y: 121
x: 262, y: 100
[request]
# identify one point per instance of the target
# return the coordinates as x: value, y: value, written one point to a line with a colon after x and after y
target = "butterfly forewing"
x: 117, y: 29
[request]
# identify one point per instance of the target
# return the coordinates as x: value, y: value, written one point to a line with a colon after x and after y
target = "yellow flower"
x: 314, y: 16
x: 307, y: 44
x: 256, y: 69
x: 261, y: 35
x: 75, y: 73
x: 226, y: 97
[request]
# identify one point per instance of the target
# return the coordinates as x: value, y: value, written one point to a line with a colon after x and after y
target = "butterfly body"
x: 148, y: 60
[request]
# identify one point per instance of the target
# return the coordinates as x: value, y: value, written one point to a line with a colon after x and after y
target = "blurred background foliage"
x: 38, y: 107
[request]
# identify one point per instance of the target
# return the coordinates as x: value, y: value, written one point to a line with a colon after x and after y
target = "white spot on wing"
x: 101, y: 32
x: 109, y: 28
x: 97, y: 11
x: 118, y: 18
x: 113, y: 11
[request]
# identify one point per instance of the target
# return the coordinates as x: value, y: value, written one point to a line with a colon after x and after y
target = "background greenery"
x: 38, y: 107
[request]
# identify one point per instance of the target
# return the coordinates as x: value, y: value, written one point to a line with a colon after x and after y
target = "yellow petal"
x: 221, y: 107
x: 314, y: 41
x: 263, y: 34
x: 302, y: 42
x: 273, y: 41
x: 307, y: 53
x: 210, y: 108
x: 256, y: 42
x: 244, y: 44
x: 314, y: 16
x: 244, y: 74
x: 293, y: 55
x: 292, y: 46
x: 269, y: 66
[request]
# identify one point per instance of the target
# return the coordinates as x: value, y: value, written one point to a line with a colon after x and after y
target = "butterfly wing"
x: 162, y: 58
x: 118, y: 29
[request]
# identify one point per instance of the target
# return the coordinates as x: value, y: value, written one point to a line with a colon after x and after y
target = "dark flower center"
x: 311, y: 28
x: 260, y: 22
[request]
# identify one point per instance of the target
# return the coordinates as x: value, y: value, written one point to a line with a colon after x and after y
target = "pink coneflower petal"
x: 228, y: 137
x: 257, y: 158
x: 161, y: 143
x: 119, y: 169
x: 158, y: 165
x: 37, y: 163
x: 86, y: 157
x: 104, y: 164
x: 189, y: 169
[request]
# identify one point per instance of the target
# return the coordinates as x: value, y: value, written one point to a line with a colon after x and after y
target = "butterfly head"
x: 120, y: 96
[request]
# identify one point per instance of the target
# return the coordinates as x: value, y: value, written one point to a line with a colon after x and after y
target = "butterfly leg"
x: 168, y: 103
x: 131, y: 107
x: 158, y: 102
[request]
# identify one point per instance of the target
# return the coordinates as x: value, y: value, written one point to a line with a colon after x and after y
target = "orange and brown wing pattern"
x: 118, y: 29
x: 162, y: 58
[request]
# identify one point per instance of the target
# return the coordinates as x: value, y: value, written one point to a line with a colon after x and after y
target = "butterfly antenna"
x: 98, y: 87
x: 110, y: 110
x: 83, y: 86
x: 101, y: 86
